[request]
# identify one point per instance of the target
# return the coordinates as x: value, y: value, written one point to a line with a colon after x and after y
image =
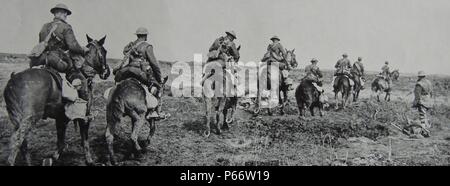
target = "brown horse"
x: 342, y: 85
x: 308, y: 97
x: 33, y: 94
x: 380, y: 85
x: 128, y: 99
x: 284, y: 88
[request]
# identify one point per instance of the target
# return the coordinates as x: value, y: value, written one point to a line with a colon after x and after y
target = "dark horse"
x: 342, y: 85
x: 283, y: 88
x: 308, y: 97
x: 357, y: 87
x: 33, y: 94
x: 128, y: 99
x: 380, y: 85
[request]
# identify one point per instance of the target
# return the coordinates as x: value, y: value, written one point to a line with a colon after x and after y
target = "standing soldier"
x: 343, y: 67
x: 140, y: 63
x: 423, y: 92
x: 314, y: 74
x: 358, y: 72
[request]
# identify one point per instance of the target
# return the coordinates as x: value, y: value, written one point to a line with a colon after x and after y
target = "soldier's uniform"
x: 422, y: 95
x: 385, y: 73
x: 276, y: 53
x: 314, y: 74
x: 224, y: 49
x: 343, y: 67
x: 358, y: 71
x: 140, y: 63
x: 62, y: 49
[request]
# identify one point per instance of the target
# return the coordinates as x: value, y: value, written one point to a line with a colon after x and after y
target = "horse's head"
x: 96, y: 57
x: 395, y: 74
x: 291, y: 59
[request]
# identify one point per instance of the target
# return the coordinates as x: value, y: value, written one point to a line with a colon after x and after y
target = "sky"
x: 412, y: 35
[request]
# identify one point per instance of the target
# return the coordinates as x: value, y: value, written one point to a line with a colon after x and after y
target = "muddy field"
x: 358, y: 135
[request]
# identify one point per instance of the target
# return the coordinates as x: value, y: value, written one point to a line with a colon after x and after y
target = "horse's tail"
x: 375, y: 85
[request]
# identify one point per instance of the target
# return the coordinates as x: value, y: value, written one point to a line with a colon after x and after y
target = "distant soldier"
x: 63, y: 54
x: 343, y: 67
x: 277, y: 53
x: 140, y: 63
x: 314, y: 74
x: 358, y: 72
x: 386, y: 73
x: 423, y: 92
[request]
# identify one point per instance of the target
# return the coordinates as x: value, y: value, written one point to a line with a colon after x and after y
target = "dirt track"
x: 353, y: 136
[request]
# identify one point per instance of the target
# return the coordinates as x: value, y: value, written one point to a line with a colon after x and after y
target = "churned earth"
x: 360, y: 134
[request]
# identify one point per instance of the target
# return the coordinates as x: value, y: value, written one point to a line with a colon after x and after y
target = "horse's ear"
x: 239, y: 47
x: 89, y: 39
x: 293, y: 50
x: 102, y: 41
x: 165, y: 79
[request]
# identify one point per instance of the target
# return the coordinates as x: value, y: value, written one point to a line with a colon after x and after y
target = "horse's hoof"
x: 206, y: 133
x: 47, y: 162
x: 229, y: 121
x: 225, y: 127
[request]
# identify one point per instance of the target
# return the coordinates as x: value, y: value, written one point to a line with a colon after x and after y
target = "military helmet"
x: 141, y: 31
x: 314, y: 60
x: 421, y: 74
x: 345, y: 55
x: 275, y: 37
x: 61, y: 7
x: 359, y: 58
x: 387, y: 62
x: 231, y: 33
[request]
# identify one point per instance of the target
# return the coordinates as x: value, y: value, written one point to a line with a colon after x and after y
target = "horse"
x: 33, y: 94
x: 395, y: 75
x: 307, y: 96
x: 284, y: 88
x: 128, y: 99
x: 342, y: 85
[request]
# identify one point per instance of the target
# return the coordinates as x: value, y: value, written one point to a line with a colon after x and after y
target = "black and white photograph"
x: 225, y: 83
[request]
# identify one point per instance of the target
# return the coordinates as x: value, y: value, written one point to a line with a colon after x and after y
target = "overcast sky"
x: 412, y: 34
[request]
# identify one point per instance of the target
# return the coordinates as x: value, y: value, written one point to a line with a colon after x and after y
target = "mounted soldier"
x: 60, y: 52
x: 423, y: 92
x: 343, y: 67
x: 358, y: 72
x: 225, y: 52
x: 386, y: 72
x: 314, y: 75
x: 277, y: 53
x: 140, y: 63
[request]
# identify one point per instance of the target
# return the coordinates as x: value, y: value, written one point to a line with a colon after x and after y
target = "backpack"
x: 40, y: 48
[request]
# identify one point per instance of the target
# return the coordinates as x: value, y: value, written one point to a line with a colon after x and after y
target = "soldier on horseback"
x: 277, y: 53
x: 358, y: 71
x: 423, y: 91
x: 224, y: 51
x: 314, y: 75
x: 62, y: 54
x: 140, y: 63
x: 386, y: 73
x: 343, y: 67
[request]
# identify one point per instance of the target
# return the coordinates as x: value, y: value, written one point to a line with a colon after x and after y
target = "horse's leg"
x: 151, y: 133
x: 208, y: 103
x: 17, y: 139
x: 321, y: 109
x: 138, y: 120
x: 109, y: 135
x: 336, y: 106
x: 61, y: 125
x: 225, y: 123
x: 84, y: 133
x: 282, y: 100
x: 219, y: 114
x: 25, y: 151
x: 311, y: 109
